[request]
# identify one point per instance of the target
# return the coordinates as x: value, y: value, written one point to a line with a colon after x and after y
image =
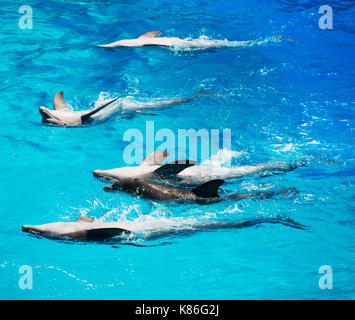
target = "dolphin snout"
x: 108, y: 188
x: 104, y: 175
x: 98, y: 173
x: 44, y: 113
x: 43, y: 110
x: 27, y: 228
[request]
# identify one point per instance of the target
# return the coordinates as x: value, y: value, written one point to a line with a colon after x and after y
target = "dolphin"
x: 88, y: 229
x: 187, y: 172
x: 203, y: 194
x: 151, y: 38
x: 130, y: 108
x: 150, y: 167
x: 204, y: 172
x: 63, y: 116
x: 84, y: 228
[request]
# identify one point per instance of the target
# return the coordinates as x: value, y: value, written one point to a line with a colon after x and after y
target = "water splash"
x: 204, y: 42
x: 219, y: 167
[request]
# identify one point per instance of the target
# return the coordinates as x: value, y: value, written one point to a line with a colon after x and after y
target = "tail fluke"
x: 204, y: 93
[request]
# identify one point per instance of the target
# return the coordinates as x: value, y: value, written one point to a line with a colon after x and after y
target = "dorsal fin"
x: 208, y: 189
x: 150, y: 34
x: 86, y: 117
x: 173, y: 168
x: 156, y: 158
x: 59, y: 102
x: 85, y: 219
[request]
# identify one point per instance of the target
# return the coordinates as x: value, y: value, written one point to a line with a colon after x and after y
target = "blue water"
x: 283, y: 100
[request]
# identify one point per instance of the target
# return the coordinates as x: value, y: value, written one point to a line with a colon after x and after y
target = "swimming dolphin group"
x: 141, y: 180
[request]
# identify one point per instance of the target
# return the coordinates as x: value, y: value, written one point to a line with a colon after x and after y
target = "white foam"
x: 218, y: 167
x: 204, y: 42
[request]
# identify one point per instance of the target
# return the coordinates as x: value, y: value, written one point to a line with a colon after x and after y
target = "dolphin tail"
x: 275, y: 168
x: 86, y: 117
x: 285, y: 39
x: 176, y: 101
x: 291, y: 223
x: 327, y: 161
x: 204, y: 93
x: 261, y: 195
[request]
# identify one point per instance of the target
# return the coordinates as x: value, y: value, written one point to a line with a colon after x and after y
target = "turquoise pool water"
x: 283, y: 101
